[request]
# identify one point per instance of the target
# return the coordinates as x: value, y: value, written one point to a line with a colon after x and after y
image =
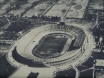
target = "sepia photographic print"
x: 51, y: 38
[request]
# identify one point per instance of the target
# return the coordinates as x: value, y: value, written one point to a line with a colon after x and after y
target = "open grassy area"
x: 96, y: 4
x: 87, y: 74
x: 5, y: 68
x: 71, y: 73
x: 19, y: 25
x: 96, y: 1
x: 9, y: 36
x: 4, y: 3
x: 18, y: 7
x: 38, y: 9
x: 59, y: 8
x: 3, y: 21
x: 77, y: 10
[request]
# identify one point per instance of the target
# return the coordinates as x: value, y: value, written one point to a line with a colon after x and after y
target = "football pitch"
x: 50, y: 45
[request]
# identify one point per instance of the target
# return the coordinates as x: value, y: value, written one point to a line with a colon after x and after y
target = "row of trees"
x: 47, y: 18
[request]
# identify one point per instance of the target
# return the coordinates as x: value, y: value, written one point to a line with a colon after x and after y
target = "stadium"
x: 52, y: 46
x: 52, y: 38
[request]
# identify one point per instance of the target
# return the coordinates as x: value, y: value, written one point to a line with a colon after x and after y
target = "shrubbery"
x: 19, y: 25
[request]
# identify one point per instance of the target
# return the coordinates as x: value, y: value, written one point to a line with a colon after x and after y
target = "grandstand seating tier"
x: 73, y: 31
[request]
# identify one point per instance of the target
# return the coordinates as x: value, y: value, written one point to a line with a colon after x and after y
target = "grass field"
x: 40, y: 8
x: 3, y: 6
x: 50, y: 45
x: 3, y: 2
x: 59, y: 8
x: 71, y: 73
x: 96, y: 1
x: 5, y: 68
x: 3, y: 21
x: 96, y: 4
x: 77, y: 9
x: 21, y: 8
